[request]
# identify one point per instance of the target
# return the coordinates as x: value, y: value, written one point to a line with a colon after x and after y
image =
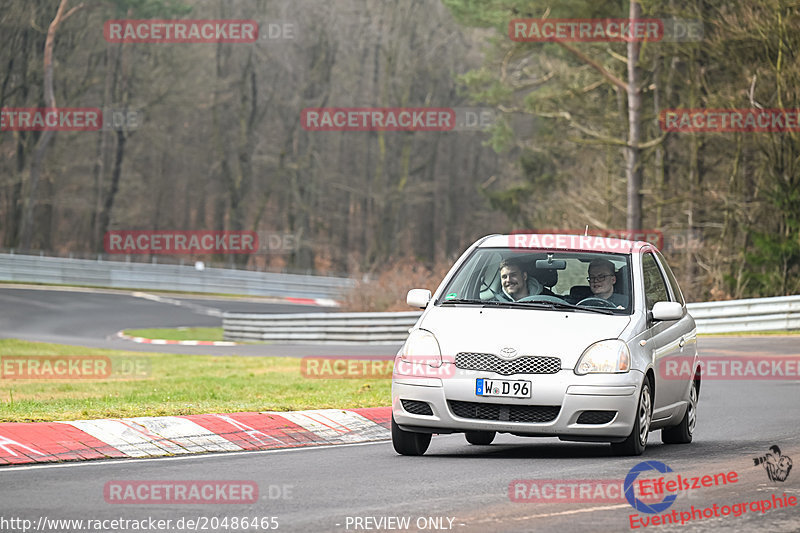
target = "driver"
x: 516, y: 283
x: 601, y: 281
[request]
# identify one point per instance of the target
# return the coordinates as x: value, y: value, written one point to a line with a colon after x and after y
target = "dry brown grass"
x: 386, y: 290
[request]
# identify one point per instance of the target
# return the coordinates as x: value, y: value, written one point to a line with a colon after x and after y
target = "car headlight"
x: 609, y: 356
x: 422, y: 346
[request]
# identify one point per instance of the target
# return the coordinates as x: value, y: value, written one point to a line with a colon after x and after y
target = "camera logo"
x: 777, y: 466
x: 630, y: 495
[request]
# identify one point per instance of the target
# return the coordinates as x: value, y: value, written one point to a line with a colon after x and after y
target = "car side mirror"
x: 667, y: 311
x: 418, y: 298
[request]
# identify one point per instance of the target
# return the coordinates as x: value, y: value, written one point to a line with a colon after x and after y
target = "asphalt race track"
x: 326, y: 485
x: 92, y: 318
x: 454, y: 487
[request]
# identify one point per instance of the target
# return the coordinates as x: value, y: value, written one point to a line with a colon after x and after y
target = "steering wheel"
x: 543, y: 298
x: 592, y: 300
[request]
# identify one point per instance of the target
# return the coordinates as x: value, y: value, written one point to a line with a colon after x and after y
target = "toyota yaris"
x: 575, y: 337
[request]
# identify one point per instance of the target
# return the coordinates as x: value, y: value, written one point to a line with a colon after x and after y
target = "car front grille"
x: 416, y: 407
x: 538, y: 414
x: 596, y: 417
x: 527, y: 364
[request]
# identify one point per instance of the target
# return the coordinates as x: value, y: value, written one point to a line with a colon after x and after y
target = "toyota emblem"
x: 508, y: 353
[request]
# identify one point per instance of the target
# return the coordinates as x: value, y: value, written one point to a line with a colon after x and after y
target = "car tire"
x: 409, y: 442
x: 682, y: 433
x: 637, y: 440
x: 480, y: 438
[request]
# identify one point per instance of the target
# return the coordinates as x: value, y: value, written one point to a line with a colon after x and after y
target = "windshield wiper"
x: 461, y: 301
x: 529, y: 305
x: 490, y: 303
x: 549, y: 305
x: 559, y: 305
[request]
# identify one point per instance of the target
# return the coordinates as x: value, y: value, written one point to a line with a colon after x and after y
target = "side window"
x: 676, y: 290
x: 655, y: 289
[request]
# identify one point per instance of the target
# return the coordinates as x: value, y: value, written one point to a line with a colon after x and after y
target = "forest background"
x: 217, y: 142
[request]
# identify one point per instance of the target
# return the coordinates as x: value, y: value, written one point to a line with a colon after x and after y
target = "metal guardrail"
x: 315, y: 328
x: 761, y: 314
x: 754, y: 314
x: 124, y: 275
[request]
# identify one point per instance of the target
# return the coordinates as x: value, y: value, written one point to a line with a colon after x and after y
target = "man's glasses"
x: 592, y: 279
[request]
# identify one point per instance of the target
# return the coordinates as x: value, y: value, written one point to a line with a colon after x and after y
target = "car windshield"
x: 557, y: 279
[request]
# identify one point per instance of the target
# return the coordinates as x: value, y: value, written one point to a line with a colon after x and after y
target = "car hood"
x: 529, y: 331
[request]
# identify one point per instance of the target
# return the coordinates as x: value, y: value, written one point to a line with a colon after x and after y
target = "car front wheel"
x: 408, y: 442
x: 682, y: 433
x: 637, y: 440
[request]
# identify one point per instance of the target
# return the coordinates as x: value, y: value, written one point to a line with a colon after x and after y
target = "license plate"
x: 503, y: 388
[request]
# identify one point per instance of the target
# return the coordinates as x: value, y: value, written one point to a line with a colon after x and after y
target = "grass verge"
x: 171, y: 384
x: 178, y: 334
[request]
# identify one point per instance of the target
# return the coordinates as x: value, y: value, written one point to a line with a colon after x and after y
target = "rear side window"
x: 655, y: 288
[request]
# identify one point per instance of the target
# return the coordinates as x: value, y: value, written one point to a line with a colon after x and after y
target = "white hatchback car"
x: 549, y: 335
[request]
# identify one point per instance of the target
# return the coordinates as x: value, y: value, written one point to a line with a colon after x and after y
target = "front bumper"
x: 563, y: 392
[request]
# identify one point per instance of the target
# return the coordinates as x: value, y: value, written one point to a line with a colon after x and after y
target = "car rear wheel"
x: 637, y: 440
x: 682, y: 433
x: 480, y: 438
x: 409, y: 442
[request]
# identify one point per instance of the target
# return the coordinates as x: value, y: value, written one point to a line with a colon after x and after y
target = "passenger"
x: 516, y: 284
x: 601, y: 282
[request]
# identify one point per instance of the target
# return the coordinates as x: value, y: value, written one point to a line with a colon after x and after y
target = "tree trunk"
x: 100, y: 164
x: 633, y: 168
x: 26, y: 231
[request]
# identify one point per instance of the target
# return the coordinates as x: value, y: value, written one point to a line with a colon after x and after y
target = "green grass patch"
x: 171, y: 384
x: 178, y: 334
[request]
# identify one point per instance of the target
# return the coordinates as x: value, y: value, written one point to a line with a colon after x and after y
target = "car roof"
x: 557, y: 241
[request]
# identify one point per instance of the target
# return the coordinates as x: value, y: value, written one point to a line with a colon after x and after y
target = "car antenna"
x: 586, y: 231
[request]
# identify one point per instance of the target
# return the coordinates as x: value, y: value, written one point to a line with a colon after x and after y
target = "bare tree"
x: 26, y: 230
